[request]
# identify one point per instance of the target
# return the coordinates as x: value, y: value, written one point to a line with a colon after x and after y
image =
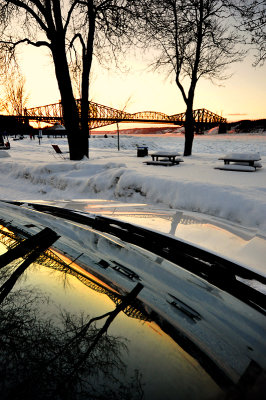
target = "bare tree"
x: 14, y: 94
x: 250, y: 18
x: 71, y: 30
x: 191, y: 40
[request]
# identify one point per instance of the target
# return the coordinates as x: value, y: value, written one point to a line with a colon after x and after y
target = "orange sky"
x: 243, y: 96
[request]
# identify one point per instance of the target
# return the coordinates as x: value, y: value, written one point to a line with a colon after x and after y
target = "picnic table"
x: 241, y: 161
x: 248, y: 158
x: 164, y: 158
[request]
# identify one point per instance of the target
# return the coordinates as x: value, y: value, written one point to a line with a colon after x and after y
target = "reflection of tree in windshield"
x: 71, y: 357
x: 75, y: 359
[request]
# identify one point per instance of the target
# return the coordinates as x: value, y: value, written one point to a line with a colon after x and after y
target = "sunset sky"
x: 243, y: 96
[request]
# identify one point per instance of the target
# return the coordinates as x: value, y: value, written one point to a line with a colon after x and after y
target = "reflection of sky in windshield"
x: 158, y: 357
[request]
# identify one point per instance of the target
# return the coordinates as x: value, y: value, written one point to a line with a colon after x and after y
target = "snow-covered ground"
x: 31, y: 171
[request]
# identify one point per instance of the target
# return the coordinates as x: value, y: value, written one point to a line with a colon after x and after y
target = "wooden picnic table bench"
x: 164, y: 158
x: 165, y: 163
x: 241, y: 162
x: 248, y: 158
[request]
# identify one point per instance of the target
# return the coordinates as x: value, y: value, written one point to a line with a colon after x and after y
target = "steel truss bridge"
x: 100, y: 116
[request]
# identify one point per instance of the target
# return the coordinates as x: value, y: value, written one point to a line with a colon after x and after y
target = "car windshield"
x: 87, y: 314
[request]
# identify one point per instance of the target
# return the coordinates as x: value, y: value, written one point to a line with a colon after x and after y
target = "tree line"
x: 189, y: 39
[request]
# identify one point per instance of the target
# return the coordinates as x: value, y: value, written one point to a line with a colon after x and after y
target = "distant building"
x: 55, y: 130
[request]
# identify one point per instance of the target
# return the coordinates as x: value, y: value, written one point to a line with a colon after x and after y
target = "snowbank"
x: 34, y: 172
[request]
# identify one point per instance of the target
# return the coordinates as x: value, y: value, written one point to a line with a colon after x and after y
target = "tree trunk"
x: 84, y: 124
x: 85, y: 109
x: 189, y: 130
x: 189, y: 125
x: 78, y: 145
x: 86, y: 63
x: 84, y: 112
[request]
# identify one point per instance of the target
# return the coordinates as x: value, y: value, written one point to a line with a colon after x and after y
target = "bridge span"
x: 100, y: 115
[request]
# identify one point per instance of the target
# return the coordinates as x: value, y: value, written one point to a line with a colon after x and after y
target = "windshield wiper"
x: 29, y: 250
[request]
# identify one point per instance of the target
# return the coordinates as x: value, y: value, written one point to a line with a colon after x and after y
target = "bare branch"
x: 69, y: 14
x: 27, y: 41
x: 30, y: 10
